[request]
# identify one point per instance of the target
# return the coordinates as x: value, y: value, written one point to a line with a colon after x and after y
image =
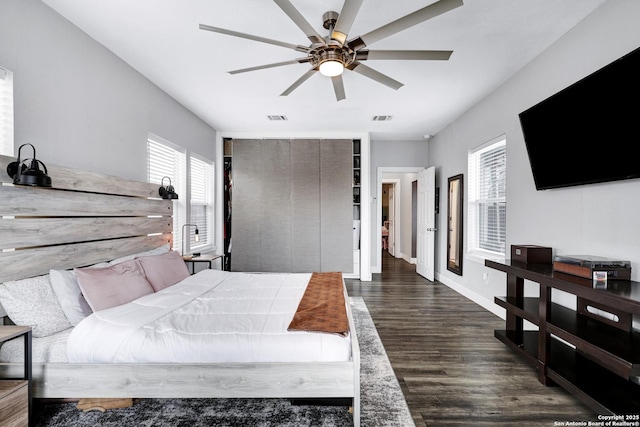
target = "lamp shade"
x: 185, y: 236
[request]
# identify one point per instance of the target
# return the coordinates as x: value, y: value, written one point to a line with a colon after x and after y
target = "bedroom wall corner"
x: 82, y: 106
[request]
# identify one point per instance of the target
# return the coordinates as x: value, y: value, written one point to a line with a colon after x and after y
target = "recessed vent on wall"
x: 381, y: 118
x: 277, y: 118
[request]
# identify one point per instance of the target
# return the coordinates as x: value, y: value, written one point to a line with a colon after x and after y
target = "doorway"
x: 402, y: 178
x: 390, y: 227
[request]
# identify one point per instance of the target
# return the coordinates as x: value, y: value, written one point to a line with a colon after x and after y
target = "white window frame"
x: 486, y: 199
x: 201, y: 193
x: 6, y: 112
x: 173, y: 165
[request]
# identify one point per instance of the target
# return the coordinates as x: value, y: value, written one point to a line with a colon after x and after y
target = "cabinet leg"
x: 544, y: 338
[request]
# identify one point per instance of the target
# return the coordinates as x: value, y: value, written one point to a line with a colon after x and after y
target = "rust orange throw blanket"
x: 322, y: 307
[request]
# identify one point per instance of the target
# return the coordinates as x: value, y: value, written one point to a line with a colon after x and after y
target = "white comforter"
x: 213, y: 316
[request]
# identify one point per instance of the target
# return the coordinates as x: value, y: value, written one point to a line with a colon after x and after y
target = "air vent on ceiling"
x: 277, y: 118
x: 381, y: 118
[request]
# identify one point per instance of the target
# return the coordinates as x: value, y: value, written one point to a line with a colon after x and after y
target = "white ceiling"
x: 491, y: 40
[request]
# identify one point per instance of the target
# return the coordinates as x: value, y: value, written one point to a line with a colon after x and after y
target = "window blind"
x: 201, y: 201
x: 166, y: 161
x: 487, y: 198
x: 6, y: 112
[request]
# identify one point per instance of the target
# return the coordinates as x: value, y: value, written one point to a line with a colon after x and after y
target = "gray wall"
x: 79, y: 104
x: 600, y: 219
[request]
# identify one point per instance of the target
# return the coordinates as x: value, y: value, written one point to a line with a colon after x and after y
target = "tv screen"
x: 588, y: 132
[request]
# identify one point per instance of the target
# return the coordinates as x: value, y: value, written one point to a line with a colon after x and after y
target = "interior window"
x: 6, y: 112
x: 201, y: 201
x: 167, y: 165
x: 487, y: 199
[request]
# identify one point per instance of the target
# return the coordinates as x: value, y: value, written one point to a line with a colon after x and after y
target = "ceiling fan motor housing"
x: 329, y: 19
x: 325, y: 53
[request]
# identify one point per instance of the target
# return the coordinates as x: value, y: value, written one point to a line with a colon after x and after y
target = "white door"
x: 392, y: 221
x: 425, y: 256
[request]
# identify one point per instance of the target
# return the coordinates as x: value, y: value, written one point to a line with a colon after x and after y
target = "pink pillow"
x: 164, y: 270
x: 114, y: 285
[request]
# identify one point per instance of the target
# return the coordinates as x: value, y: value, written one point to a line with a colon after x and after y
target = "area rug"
x: 383, y: 404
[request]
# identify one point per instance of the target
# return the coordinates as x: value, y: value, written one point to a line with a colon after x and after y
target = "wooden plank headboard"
x: 83, y: 219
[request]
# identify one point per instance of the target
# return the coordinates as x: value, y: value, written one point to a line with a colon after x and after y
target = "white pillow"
x: 32, y: 302
x: 157, y: 251
x: 66, y: 287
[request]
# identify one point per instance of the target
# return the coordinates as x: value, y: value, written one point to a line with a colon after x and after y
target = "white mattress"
x: 210, y: 317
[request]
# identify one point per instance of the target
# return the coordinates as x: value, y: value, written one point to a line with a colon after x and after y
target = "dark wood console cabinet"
x: 603, y: 367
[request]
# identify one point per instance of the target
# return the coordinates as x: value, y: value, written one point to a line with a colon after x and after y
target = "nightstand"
x: 15, y: 393
x: 208, y: 258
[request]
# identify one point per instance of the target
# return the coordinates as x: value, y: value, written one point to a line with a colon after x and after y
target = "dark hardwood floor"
x: 451, y: 368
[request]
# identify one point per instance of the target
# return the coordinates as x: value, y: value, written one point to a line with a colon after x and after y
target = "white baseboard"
x: 482, y: 301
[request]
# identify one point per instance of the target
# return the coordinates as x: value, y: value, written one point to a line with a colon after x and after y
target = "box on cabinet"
x: 531, y: 254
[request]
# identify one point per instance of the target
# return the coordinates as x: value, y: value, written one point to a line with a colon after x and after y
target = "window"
x: 6, y: 112
x: 487, y: 198
x: 201, y: 201
x: 168, y: 160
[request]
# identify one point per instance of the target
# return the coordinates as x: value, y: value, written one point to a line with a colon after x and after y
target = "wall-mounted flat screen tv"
x: 588, y: 132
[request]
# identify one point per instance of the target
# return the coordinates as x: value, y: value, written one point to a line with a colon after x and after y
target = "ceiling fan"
x: 331, y: 55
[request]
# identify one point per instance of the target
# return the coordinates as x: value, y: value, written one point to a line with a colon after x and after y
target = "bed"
x: 88, y: 219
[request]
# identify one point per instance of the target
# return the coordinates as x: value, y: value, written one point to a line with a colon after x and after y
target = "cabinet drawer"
x: 14, y: 404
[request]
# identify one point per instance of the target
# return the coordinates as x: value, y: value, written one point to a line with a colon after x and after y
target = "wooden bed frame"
x: 88, y: 218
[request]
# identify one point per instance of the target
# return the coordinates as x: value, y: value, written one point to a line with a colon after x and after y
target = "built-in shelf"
x: 357, y: 179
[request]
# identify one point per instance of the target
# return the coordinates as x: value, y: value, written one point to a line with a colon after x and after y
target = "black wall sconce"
x: 167, y: 192
x: 31, y: 174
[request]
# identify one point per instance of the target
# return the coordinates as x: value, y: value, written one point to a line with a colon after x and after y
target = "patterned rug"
x: 383, y: 404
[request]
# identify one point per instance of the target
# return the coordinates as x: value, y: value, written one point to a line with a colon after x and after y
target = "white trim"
x: 473, y: 296
x: 210, y: 246
x: 6, y: 113
x: 155, y: 138
x: 489, y: 143
x: 472, y: 187
x: 377, y: 231
x: 397, y: 229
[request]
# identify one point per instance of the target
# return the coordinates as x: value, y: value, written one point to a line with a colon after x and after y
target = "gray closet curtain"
x: 292, y: 205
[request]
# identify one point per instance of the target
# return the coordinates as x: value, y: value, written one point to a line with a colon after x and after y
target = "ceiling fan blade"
x: 275, y: 64
x: 299, y: 20
x: 338, y: 87
x: 429, y: 55
x: 375, y: 75
x: 299, y: 48
x: 298, y: 82
x: 421, y: 15
x: 345, y: 20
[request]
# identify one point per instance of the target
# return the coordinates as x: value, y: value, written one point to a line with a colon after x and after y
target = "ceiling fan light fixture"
x: 331, y: 68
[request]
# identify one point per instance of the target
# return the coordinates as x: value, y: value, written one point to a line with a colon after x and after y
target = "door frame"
x: 377, y: 225
x: 397, y: 206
